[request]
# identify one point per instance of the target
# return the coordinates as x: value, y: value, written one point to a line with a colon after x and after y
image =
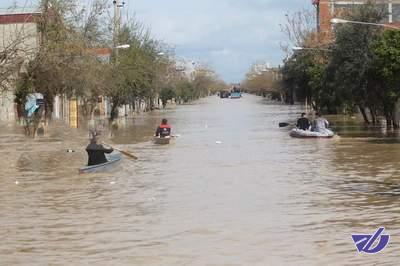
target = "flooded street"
x: 232, y: 189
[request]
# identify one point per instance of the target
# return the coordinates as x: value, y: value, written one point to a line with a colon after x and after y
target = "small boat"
x: 162, y: 141
x: 113, y: 159
x: 299, y: 133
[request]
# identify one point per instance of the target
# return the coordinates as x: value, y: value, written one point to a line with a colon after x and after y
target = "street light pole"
x: 297, y: 48
x: 343, y: 21
x: 117, y: 26
x: 116, y: 22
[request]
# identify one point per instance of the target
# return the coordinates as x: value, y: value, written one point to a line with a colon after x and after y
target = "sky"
x: 227, y: 35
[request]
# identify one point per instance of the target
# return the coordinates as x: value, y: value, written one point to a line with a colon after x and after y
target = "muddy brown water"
x: 233, y: 189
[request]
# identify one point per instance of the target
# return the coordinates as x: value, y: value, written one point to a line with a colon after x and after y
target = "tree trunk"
x: 364, y: 114
x: 389, y: 121
x: 152, y: 105
x: 388, y: 112
x: 395, y: 115
x: 373, y: 115
x: 291, y: 96
x: 114, y: 111
x: 395, y: 124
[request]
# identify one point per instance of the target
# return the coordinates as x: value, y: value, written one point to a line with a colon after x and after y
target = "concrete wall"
x: 25, y: 37
x: 7, y: 106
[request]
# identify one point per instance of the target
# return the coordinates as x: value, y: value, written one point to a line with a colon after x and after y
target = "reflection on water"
x: 234, y: 189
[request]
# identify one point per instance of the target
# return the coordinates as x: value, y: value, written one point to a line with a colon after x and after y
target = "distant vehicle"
x: 224, y: 94
x: 235, y: 93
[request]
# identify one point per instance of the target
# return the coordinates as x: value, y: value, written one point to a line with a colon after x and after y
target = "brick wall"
x: 324, y: 15
x: 19, y: 18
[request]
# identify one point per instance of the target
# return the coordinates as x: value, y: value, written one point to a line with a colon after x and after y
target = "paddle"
x: 283, y: 124
x: 170, y: 136
x: 123, y: 152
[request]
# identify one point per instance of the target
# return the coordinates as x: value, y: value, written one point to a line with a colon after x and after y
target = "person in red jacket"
x: 163, y: 130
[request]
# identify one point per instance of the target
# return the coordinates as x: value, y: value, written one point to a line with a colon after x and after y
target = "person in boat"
x: 320, y: 124
x: 163, y: 130
x: 96, y: 152
x: 303, y: 123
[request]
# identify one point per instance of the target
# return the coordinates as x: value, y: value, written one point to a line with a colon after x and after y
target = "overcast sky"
x: 228, y: 35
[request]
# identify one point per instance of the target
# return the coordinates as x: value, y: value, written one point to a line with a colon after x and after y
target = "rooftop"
x: 19, y: 15
x: 100, y: 51
x: 19, y: 11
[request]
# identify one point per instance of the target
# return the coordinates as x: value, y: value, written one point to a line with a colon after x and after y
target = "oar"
x: 123, y: 152
x: 283, y: 124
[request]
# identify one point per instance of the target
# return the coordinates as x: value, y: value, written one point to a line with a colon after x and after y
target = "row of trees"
x: 66, y: 63
x: 358, y: 69
x: 264, y: 81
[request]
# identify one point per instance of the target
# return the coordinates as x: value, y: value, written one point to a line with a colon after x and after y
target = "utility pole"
x: 117, y: 25
x: 316, y: 4
x: 116, y: 28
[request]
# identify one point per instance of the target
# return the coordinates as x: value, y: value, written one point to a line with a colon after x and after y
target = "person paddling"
x: 96, y: 152
x: 163, y: 130
x: 303, y: 123
x: 320, y: 124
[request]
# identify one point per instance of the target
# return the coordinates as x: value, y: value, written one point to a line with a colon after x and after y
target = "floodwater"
x: 233, y: 189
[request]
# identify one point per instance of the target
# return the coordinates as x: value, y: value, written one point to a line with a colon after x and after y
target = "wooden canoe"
x: 162, y: 141
x: 112, y: 158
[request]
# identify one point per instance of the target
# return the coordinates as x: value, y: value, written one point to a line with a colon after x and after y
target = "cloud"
x: 229, y: 35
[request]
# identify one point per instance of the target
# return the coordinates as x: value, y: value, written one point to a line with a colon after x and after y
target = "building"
x: 19, y: 39
x: 327, y: 9
x: 260, y: 67
x: 186, y: 67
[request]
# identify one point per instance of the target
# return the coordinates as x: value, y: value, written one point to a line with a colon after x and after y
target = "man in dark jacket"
x: 164, y: 130
x: 303, y: 122
x: 96, y: 152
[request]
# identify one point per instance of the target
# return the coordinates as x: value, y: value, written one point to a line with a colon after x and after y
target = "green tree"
x: 352, y: 58
x: 387, y: 69
x: 167, y: 94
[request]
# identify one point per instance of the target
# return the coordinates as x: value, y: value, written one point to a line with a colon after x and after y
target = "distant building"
x: 187, y: 67
x: 328, y: 9
x: 260, y: 67
x: 18, y: 31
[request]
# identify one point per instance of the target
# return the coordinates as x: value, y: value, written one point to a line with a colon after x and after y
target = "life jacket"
x: 164, y: 130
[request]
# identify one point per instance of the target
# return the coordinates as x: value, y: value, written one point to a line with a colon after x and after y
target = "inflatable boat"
x: 299, y: 133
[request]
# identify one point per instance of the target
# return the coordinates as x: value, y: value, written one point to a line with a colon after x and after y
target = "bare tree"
x: 300, y: 30
x: 16, y: 47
